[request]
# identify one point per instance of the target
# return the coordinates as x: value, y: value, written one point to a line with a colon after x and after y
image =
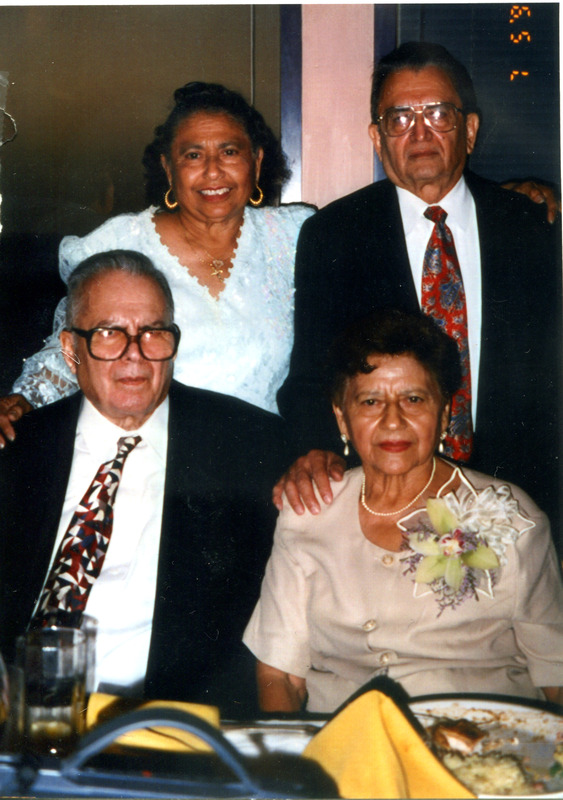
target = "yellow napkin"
x: 103, y: 707
x: 372, y: 751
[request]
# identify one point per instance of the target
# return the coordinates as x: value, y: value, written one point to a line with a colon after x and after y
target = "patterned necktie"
x: 443, y: 297
x: 82, y: 551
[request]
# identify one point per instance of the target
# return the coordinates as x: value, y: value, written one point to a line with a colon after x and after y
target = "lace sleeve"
x: 45, y: 376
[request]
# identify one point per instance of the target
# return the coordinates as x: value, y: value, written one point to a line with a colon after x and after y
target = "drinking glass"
x: 54, y: 666
x: 89, y: 626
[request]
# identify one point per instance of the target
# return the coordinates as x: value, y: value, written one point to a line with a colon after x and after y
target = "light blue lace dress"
x: 238, y: 343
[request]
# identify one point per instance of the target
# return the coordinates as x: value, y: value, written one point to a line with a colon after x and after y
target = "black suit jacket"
x: 352, y: 259
x: 223, y: 458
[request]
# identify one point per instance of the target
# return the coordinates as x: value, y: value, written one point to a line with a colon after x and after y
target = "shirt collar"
x: 97, y: 435
x: 457, y: 203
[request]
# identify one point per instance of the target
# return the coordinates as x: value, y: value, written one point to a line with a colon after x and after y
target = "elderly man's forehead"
x: 112, y: 273
x: 117, y: 289
x: 408, y: 86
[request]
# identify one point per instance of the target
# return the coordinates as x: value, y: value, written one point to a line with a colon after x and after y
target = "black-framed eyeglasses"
x: 111, y: 344
x: 441, y: 117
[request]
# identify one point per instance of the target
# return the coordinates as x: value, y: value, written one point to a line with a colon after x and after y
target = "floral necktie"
x: 443, y: 297
x: 83, y: 548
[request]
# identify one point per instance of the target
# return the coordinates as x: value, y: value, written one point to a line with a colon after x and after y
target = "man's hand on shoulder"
x: 319, y: 467
x: 12, y: 407
x: 538, y: 193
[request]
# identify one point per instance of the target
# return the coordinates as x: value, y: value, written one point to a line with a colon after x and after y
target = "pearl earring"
x: 346, y: 448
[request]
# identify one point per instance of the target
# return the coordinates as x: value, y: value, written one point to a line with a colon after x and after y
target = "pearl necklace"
x: 399, y: 510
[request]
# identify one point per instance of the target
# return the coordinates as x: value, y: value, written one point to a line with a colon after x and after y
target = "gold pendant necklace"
x: 216, y: 265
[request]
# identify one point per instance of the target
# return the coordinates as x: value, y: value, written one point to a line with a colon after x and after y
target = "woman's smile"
x: 213, y: 193
x: 212, y: 167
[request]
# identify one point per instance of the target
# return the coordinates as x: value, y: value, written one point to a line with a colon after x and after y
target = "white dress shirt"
x: 122, y: 598
x: 462, y: 221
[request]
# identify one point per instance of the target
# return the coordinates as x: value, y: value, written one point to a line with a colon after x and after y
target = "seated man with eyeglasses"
x: 166, y: 547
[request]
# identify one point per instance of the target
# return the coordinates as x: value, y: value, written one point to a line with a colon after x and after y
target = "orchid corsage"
x: 458, y: 551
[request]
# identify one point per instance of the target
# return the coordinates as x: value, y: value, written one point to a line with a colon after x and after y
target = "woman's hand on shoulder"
x: 317, y: 467
x: 12, y: 407
x: 538, y: 193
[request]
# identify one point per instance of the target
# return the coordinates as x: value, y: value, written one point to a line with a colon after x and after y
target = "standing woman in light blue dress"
x: 214, y: 172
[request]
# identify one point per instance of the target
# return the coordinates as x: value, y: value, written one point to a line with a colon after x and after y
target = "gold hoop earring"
x: 167, y: 203
x: 256, y: 203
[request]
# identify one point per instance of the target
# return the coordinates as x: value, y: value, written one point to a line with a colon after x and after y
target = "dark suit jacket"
x: 223, y: 457
x: 352, y: 259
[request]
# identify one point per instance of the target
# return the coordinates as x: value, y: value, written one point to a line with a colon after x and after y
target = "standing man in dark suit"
x: 366, y: 251
x: 192, y: 521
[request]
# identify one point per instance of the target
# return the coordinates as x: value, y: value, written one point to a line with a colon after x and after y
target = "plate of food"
x: 495, y: 748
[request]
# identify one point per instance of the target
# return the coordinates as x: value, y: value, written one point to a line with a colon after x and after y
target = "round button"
x: 387, y: 560
x: 370, y: 625
x: 385, y: 657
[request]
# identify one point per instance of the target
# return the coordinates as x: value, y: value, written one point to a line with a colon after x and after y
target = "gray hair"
x: 126, y: 261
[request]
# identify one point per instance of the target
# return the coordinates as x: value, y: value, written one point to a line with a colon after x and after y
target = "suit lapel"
x: 59, y: 440
x: 178, y: 560
x: 495, y: 324
x: 395, y: 281
x: 50, y: 455
x: 45, y: 448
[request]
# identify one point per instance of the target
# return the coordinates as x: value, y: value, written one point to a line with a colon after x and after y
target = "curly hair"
x: 214, y: 98
x: 392, y: 332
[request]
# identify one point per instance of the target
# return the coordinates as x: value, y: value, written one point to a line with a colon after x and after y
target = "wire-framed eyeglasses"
x: 441, y: 117
x: 111, y: 344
